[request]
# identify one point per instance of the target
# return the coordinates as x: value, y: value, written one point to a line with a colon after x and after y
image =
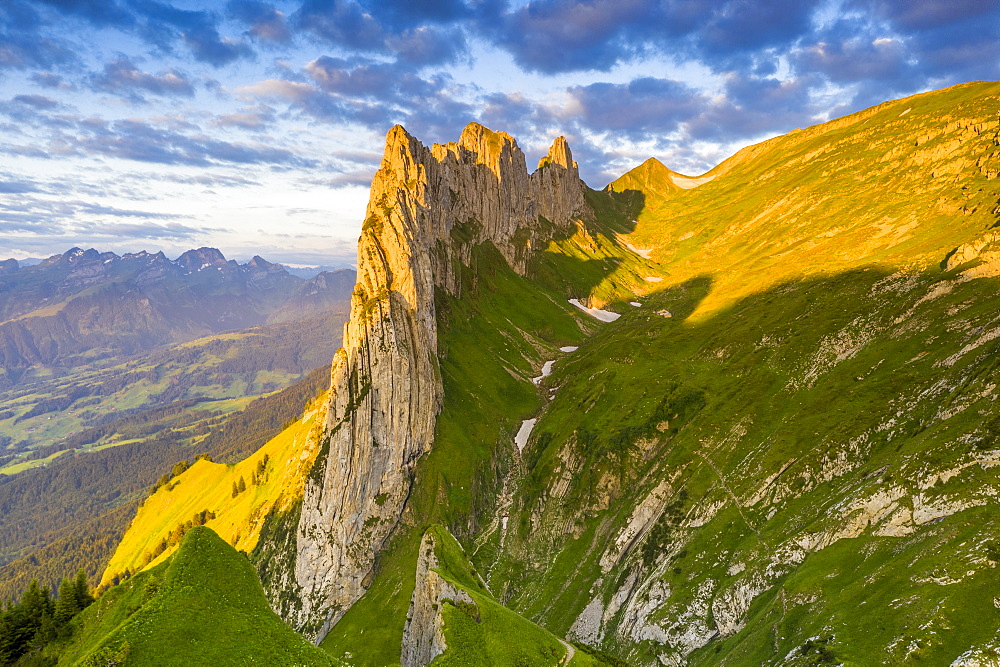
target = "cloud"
x: 255, y: 118
x: 265, y: 23
x: 50, y: 80
x: 11, y: 184
x: 170, y: 230
x: 160, y: 24
x: 639, y: 108
x: 37, y: 101
x: 122, y: 77
x: 408, y: 34
x: 168, y: 141
x: 372, y: 94
x: 553, y: 36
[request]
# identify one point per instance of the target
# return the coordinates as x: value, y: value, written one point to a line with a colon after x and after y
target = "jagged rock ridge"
x: 429, y: 207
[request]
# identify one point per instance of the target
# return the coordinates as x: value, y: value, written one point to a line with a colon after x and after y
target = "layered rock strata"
x: 429, y: 207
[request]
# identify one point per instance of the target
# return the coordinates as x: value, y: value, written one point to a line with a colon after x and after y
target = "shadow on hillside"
x: 577, y: 277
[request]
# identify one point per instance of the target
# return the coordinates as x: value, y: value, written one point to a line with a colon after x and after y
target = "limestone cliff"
x: 428, y: 208
x: 423, y: 636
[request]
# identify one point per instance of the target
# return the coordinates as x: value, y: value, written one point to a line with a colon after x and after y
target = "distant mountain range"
x: 85, y: 306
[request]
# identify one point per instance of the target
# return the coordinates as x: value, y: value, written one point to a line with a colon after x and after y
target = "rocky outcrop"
x: 429, y: 208
x: 423, y: 635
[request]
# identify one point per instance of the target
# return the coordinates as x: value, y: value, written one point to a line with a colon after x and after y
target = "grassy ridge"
x: 203, y: 606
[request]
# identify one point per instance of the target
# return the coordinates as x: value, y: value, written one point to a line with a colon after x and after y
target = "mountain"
x: 743, y: 418
x: 118, y: 385
x: 307, y: 272
x: 85, y: 307
x: 149, y: 619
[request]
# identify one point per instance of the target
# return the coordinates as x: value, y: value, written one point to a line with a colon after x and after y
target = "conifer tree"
x: 236, y: 489
x: 243, y: 484
x: 82, y: 589
x: 66, y: 604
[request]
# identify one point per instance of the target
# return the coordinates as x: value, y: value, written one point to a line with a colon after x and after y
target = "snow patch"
x: 635, y: 303
x: 603, y: 315
x: 652, y: 279
x: 905, y: 112
x: 645, y: 253
x: 521, y: 439
x: 569, y: 348
x: 546, y: 371
x: 687, y: 183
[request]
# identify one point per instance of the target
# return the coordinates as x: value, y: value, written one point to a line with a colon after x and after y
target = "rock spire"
x: 387, y: 387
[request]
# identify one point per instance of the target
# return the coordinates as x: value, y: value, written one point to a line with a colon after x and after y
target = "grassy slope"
x: 208, y: 486
x: 490, y: 633
x: 204, y: 606
x: 817, y: 356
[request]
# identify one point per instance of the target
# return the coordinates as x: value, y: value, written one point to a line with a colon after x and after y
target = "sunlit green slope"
x: 805, y: 449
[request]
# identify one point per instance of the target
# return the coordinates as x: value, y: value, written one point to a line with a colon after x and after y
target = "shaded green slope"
x: 204, y: 606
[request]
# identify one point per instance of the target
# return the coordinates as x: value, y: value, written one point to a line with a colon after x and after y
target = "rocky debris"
x: 423, y: 635
x: 429, y: 208
x: 986, y: 249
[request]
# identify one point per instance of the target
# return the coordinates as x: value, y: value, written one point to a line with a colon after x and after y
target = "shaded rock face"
x: 387, y: 388
x: 423, y: 635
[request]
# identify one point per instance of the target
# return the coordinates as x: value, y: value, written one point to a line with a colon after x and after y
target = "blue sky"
x: 256, y: 126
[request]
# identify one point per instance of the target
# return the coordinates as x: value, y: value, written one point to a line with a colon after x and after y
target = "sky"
x: 256, y: 127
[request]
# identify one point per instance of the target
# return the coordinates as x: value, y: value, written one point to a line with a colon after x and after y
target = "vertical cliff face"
x: 428, y: 208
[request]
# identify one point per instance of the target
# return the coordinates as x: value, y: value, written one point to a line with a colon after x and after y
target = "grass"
x: 203, y: 606
x: 486, y: 632
x: 799, y: 463
x: 274, y: 477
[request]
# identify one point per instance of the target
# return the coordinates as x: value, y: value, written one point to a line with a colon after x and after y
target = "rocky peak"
x: 386, y: 382
x: 258, y: 262
x: 559, y: 154
x: 196, y: 260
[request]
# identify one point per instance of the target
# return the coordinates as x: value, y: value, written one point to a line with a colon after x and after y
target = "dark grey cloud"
x: 124, y: 78
x: 264, y: 22
x: 347, y: 24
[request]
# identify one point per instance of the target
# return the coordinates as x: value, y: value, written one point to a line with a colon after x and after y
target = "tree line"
x: 28, y: 625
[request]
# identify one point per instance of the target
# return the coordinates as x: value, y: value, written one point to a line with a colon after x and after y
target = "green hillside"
x: 204, y: 606
x: 804, y: 397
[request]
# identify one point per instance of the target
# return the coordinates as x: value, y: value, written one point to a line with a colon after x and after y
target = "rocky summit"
x: 743, y: 418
